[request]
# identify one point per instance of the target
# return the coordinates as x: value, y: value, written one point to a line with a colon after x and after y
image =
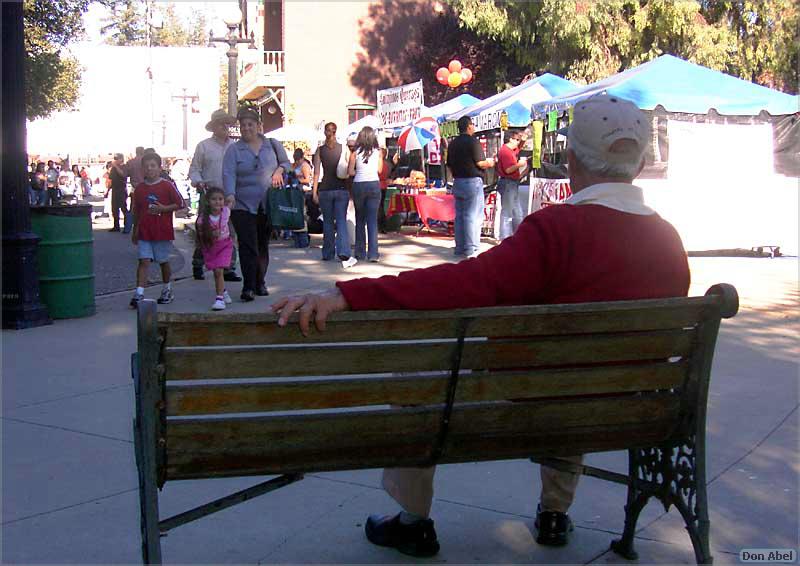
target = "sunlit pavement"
x: 69, y: 479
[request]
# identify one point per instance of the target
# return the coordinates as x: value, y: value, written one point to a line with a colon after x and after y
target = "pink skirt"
x: 218, y: 255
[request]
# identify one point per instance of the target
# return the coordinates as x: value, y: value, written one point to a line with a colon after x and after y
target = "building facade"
x: 306, y: 52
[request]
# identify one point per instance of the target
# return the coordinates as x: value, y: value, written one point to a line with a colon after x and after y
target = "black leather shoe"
x: 262, y: 291
x: 198, y: 274
x: 417, y: 539
x: 553, y: 527
x: 231, y: 276
x: 248, y: 296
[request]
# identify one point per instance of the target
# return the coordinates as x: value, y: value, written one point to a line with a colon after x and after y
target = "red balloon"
x: 442, y: 74
x: 466, y: 76
x: 443, y: 80
x: 454, y: 66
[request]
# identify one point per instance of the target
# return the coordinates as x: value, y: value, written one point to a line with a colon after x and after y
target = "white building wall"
x: 119, y: 110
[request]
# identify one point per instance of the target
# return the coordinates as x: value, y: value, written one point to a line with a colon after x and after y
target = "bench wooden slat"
x: 579, y: 350
x: 538, y: 416
x: 317, y: 394
x: 215, y: 363
x: 289, y: 361
x: 569, y: 442
x: 419, y: 389
x: 247, y: 329
x: 215, y: 446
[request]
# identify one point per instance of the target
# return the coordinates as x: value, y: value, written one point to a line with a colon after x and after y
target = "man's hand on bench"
x: 316, y: 306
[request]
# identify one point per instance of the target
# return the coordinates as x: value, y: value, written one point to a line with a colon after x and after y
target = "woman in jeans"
x: 332, y: 197
x: 250, y: 166
x: 366, y: 162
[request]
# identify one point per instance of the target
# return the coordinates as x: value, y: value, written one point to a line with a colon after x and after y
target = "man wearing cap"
x: 206, y: 171
x: 603, y: 244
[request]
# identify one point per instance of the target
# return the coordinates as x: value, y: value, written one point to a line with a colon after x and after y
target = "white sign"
x: 487, y: 121
x: 400, y: 105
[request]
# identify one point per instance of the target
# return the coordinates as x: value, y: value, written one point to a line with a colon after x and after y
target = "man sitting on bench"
x: 603, y: 244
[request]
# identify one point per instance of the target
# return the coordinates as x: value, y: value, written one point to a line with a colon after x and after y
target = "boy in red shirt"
x: 154, y: 201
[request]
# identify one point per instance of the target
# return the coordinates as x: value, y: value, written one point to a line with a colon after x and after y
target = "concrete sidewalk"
x: 69, y: 479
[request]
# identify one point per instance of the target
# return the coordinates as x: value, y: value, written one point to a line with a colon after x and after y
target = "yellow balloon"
x: 454, y: 79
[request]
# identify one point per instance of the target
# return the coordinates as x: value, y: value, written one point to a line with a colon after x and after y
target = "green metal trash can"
x: 394, y: 222
x: 66, y: 259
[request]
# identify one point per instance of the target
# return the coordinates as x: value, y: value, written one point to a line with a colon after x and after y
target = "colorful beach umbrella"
x: 418, y: 134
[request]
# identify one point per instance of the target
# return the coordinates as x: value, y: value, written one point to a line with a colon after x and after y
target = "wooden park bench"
x: 416, y: 388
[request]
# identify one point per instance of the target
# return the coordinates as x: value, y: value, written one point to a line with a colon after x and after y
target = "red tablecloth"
x: 435, y: 207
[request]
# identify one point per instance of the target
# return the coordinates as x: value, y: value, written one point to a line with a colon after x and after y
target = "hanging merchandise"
x: 537, y: 127
x: 552, y: 121
x: 571, y: 108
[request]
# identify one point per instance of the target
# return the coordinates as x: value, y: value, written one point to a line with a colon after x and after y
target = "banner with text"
x: 400, y: 105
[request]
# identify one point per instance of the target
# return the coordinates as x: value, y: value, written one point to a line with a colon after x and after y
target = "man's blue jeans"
x: 367, y: 199
x: 511, y: 208
x: 468, y: 193
x: 333, y: 204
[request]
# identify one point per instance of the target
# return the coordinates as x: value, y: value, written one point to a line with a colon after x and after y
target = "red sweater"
x: 561, y: 254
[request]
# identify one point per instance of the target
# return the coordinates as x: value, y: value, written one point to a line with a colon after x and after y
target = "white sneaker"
x: 226, y: 297
x: 473, y: 254
x: 219, y: 305
x: 350, y: 262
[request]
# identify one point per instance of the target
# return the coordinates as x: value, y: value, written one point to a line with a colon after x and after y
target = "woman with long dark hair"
x: 366, y: 162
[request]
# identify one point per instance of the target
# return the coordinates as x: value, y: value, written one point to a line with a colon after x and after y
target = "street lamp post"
x: 22, y: 307
x: 232, y: 38
x: 185, y: 98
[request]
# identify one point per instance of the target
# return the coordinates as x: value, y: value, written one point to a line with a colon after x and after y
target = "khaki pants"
x: 412, y: 488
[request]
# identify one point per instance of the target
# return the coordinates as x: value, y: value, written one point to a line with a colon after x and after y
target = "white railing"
x: 274, y: 61
x: 261, y: 69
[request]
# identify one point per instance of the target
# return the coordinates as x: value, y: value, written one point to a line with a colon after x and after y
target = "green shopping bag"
x: 286, y: 208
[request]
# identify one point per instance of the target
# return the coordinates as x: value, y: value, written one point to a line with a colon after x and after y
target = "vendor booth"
x: 419, y: 190
x: 725, y: 155
x: 506, y: 110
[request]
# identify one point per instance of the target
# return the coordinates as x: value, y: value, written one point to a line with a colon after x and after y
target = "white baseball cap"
x: 600, y: 121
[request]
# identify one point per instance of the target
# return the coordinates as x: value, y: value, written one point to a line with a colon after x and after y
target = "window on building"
x: 357, y: 111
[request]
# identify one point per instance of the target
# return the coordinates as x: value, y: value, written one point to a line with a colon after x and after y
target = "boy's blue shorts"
x: 155, y: 250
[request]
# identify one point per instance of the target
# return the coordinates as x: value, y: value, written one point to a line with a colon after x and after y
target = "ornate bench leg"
x: 688, y: 494
x: 637, y: 499
x: 676, y: 476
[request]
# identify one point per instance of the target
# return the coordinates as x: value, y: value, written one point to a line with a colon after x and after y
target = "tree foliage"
x: 52, y: 75
x: 585, y: 40
x: 404, y: 41
x: 127, y: 24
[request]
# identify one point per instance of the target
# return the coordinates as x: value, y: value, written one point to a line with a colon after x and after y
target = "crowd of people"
x: 242, y: 173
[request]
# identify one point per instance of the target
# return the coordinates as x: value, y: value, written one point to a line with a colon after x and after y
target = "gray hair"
x: 602, y: 168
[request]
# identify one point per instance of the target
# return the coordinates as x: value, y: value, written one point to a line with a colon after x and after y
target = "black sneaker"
x: 417, y: 539
x: 198, y: 274
x: 553, y: 527
x: 262, y: 291
x: 231, y: 276
x: 248, y: 296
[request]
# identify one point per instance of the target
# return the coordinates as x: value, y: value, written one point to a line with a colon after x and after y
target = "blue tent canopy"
x: 453, y: 105
x: 516, y: 102
x: 680, y: 86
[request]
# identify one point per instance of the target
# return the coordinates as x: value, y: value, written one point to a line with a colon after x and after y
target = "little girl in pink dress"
x: 215, y: 241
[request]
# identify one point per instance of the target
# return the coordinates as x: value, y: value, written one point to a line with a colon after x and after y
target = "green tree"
x: 767, y: 39
x: 586, y: 41
x: 126, y: 25
x: 52, y: 75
